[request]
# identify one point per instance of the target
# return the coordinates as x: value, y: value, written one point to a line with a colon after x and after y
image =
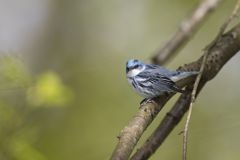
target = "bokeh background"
x: 63, y: 89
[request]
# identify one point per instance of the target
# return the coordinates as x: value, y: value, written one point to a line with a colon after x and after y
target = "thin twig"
x: 187, y: 29
x: 133, y: 131
x: 193, y: 95
x: 224, y: 26
x: 233, y: 15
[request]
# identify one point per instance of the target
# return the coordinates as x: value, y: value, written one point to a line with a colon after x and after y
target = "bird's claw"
x: 145, y: 101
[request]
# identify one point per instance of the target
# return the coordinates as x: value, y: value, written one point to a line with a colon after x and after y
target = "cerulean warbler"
x: 151, y: 80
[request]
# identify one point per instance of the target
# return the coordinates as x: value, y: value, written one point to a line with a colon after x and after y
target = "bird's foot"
x: 145, y: 101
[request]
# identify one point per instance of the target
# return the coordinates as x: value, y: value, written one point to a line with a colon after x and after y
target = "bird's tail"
x: 182, y: 75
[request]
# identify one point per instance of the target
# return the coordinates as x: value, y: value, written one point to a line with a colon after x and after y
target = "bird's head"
x: 134, y: 67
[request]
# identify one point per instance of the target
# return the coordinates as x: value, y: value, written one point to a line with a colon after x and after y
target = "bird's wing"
x: 158, y: 81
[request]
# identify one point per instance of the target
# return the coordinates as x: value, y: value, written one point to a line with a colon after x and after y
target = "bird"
x: 151, y: 81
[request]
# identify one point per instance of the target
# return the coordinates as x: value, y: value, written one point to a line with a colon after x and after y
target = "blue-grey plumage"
x: 152, y: 80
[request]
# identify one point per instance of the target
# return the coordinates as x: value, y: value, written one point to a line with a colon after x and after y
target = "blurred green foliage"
x: 50, y: 91
x: 46, y: 90
x: 64, y: 94
x: 14, y: 73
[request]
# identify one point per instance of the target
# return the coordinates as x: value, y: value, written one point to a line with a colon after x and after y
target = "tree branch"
x: 185, y: 31
x: 130, y: 134
x: 224, y: 49
x: 195, y: 86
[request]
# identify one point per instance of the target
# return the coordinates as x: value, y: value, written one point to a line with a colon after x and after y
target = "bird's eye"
x: 136, y: 66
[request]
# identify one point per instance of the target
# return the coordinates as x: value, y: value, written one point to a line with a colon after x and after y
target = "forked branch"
x: 221, y: 52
